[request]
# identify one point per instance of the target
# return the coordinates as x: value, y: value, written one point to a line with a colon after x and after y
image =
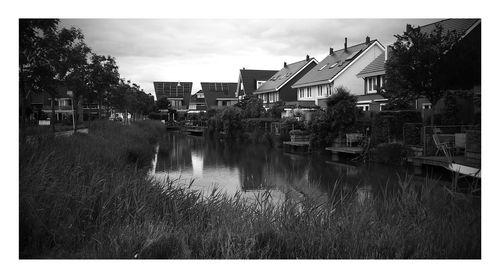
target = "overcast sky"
x: 213, y: 50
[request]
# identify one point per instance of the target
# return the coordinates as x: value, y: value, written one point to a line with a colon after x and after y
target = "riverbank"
x: 88, y: 196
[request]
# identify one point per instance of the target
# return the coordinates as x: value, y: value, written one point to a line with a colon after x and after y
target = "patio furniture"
x: 353, y: 138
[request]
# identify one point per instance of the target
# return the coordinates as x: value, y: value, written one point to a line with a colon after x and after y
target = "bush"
x: 388, y: 126
x: 393, y: 153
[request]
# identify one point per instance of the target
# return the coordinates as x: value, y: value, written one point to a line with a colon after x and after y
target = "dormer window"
x: 260, y: 82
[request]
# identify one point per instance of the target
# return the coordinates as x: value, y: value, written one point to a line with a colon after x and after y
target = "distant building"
x: 178, y: 93
x: 250, y: 80
x: 279, y: 86
x: 219, y: 94
x: 339, y: 68
x: 42, y: 106
x: 197, y: 103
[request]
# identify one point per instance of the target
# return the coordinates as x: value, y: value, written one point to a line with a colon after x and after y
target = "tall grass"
x: 88, y: 196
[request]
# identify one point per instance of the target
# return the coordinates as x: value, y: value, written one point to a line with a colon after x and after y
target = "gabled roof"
x: 249, y: 78
x: 283, y: 76
x: 214, y: 90
x: 333, y: 64
x: 170, y: 89
x: 195, y: 99
x: 376, y: 66
x: 459, y: 25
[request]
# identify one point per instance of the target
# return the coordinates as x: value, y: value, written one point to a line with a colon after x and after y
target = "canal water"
x: 251, y: 170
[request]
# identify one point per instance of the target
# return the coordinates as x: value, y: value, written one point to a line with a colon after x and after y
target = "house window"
x: 301, y: 92
x: 363, y: 107
x: 426, y: 106
x: 320, y: 91
x: 259, y: 83
x: 308, y: 92
x: 382, y: 106
x: 224, y: 103
x: 241, y: 86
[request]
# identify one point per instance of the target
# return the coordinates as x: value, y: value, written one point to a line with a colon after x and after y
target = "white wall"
x: 349, y: 79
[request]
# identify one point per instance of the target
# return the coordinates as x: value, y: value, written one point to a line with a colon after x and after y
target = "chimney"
x: 345, y: 45
x: 331, y: 51
x: 367, y: 40
x: 284, y: 64
x: 307, y: 58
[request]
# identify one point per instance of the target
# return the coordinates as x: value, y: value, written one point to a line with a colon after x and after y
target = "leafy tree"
x: 414, y: 68
x: 103, y: 76
x: 251, y: 106
x: 36, y: 73
x: 276, y: 109
x: 341, y: 110
x: 163, y: 103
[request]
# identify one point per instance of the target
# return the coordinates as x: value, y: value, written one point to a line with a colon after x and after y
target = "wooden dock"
x: 442, y: 161
x: 195, y: 131
x: 348, y: 150
x: 297, y: 146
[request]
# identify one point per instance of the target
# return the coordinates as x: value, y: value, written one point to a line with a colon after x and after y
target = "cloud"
x: 198, y: 50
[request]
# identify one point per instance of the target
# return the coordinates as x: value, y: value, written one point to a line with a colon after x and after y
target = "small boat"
x: 465, y: 170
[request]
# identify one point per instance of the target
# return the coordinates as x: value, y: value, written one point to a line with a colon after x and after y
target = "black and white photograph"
x: 195, y: 139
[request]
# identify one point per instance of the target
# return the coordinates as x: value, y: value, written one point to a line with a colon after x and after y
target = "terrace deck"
x: 348, y: 150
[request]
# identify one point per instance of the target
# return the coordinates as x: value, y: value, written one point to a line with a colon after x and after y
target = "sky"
x: 213, y: 50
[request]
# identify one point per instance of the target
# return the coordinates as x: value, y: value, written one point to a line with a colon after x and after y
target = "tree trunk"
x: 53, y: 115
x: 75, y: 108
x: 89, y: 114
x: 99, y: 104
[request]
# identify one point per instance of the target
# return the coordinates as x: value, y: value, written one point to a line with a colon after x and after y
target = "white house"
x: 339, y: 68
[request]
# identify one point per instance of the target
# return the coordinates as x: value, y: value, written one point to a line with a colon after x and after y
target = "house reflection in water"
x: 253, y: 169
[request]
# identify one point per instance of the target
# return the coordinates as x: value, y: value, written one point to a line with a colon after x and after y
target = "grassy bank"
x: 88, y: 196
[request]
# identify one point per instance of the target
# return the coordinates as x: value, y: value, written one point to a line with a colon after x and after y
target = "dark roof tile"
x: 283, y: 76
x: 332, y: 64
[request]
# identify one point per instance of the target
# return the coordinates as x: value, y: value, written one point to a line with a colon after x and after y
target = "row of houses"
x: 307, y: 84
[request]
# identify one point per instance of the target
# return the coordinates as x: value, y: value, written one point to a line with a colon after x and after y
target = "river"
x: 251, y: 170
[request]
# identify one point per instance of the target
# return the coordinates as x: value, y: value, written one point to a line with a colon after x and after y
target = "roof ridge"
x: 433, y: 23
x: 259, y: 69
x: 298, y: 62
x: 372, y: 41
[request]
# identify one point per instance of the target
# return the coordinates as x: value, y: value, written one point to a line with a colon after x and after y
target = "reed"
x: 89, y: 196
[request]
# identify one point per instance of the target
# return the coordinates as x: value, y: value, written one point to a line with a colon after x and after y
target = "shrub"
x: 392, y: 153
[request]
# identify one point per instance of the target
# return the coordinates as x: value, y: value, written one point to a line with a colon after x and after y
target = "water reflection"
x: 253, y: 169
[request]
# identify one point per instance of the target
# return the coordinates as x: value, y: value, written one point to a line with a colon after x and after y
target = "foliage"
x: 163, y: 103
x: 276, y: 109
x: 389, y: 153
x: 321, y: 130
x: 231, y: 122
x: 397, y: 104
x: 103, y: 76
x: 341, y: 109
x: 95, y: 202
x: 251, y: 107
x: 387, y: 126
x: 413, y: 69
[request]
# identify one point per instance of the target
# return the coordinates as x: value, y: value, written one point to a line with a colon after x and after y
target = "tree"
x: 341, y: 110
x: 251, y: 106
x: 103, y: 75
x: 163, y: 103
x: 276, y: 109
x: 36, y: 72
x: 414, y: 68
